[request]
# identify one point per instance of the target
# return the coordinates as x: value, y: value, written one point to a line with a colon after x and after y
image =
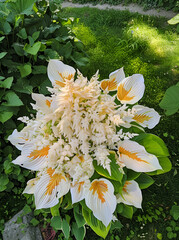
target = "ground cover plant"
x: 146, y: 4
x: 146, y: 45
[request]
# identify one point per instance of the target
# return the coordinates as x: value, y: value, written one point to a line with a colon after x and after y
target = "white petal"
x: 135, y: 157
x: 32, y: 159
x: 17, y: 139
x: 49, y: 189
x: 77, y: 192
x: 101, y: 200
x: 131, y: 89
x: 43, y: 103
x: 146, y: 117
x: 118, y: 74
x: 30, y: 188
x: 58, y: 71
x: 131, y: 194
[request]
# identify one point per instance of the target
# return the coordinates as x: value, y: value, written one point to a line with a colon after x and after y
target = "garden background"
x: 32, y: 32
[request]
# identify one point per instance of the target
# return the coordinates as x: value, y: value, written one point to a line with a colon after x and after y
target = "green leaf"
x: 116, y: 225
x: 55, y: 210
x: 174, y: 20
x: 12, y: 100
x: 79, y: 233
x: 34, y: 222
x: 7, y: 167
x: 1, y: 38
x: 27, y: 209
x: 96, y: 225
x: 22, y: 86
x: 35, y: 35
x: 51, y: 54
x: 40, y: 69
x: 21, y: 6
x: 19, y: 49
x: 22, y: 33
x: 170, y: 101
x: 2, y: 54
x: 131, y: 175
x: 165, y: 164
x: 152, y: 144
x: 7, y: 28
x: 78, y: 216
x: 56, y: 223
x: 144, y: 181
x: 115, y: 172
x: 25, y: 70
x: 125, y: 210
x: 34, y: 49
x: 4, y: 116
x: 66, y: 228
x: 7, y: 83
x: 4, y: 180
x: 175, y: 212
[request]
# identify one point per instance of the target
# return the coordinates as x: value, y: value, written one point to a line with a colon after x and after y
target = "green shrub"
x: 31, y: 33
x: 146, y: 4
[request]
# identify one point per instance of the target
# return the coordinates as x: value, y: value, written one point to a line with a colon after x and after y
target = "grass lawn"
x: 148, y: 46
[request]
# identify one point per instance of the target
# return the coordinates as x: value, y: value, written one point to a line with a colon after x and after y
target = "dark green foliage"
x: 31, y: 33
x: 146, y: 4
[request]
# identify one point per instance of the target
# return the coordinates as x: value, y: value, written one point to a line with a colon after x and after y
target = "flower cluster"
x: 76, y: 130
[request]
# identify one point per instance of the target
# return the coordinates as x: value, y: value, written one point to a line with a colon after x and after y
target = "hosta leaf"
x: 115, y: 173
x: 174, y: 20
x: 96, y: 225
x: 165, y: 164
x: 144, y: 181
x: 152, y: 144
x: 125, y: 210
x: 12, y: 100
x: 131, y: 175
x: 170, y: 101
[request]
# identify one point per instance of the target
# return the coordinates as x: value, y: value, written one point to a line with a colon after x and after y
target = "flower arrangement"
x: 87, y: 138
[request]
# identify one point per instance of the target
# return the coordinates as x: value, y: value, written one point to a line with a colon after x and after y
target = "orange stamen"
x: 100, y: 187
x: 61, y: 84
x: 125, y: 186
x: 48, y: 103
x: 54, y: 181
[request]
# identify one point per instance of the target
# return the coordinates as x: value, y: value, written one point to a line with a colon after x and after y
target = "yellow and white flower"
x: 135, y: 157
x: 146, y: 117
x: 114, y: 79
x: 131, y: 194
x: 131, y: 89
x: 59, y: 73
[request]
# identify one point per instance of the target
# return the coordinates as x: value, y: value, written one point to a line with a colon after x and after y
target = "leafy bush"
x: 31, y: 33
x: 147, y: 4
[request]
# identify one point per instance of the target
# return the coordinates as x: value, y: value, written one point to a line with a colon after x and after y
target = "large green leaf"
x: 144, y: 181
x: 131, y: 175
x: 66, y: 228
x: 174, y: 20
x: 170, y: 101
x: 21, y: 6
x: 165, y: 164
x: 2, y: 54
x: 96, y: 225
x: 115, y: 173
x: 78, y: 216
x: 12, y: 100
x: 152, y: 144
